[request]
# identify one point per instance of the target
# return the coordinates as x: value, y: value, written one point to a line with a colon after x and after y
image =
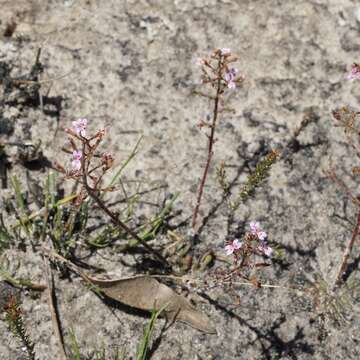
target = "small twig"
x: 53, y: 311
x: 347, y: 252
x: 200, y: 93
x: 269, y: 286
x: 122, y: 225
x: 26, y: 284
x: 34, y: 287
x: 32, y: 82
x: 52, y: 254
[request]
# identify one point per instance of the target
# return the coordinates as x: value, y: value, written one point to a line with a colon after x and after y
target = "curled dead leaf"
x: 147, y: 293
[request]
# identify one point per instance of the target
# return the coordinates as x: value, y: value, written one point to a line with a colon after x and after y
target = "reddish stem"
x: 344, y: 264
x: 211, y: 141
x: 114, y: 217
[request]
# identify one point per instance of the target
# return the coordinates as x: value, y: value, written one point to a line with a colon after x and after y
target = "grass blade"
x: 144, y: 345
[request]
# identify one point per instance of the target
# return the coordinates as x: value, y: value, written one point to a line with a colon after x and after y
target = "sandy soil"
x: 129, y: 66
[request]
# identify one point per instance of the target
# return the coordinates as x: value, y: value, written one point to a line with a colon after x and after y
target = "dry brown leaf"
x: 147, y: 293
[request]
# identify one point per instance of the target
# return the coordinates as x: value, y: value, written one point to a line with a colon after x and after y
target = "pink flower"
x: 76, y: 162
x: 265, y: 249
x: 235, y: 245
x: 231, y: 85
x: 230, y: 76
x: 225, y: 51
x: 257, y: 231
x: 354, y: 73
x: 80, y: 126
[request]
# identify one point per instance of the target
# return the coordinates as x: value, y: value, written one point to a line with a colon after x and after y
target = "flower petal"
x: 77, y: 155
x: 236, y: 244
x: 229, y: 249
x: 76, y: 164
x: 225, y: 51
x: 268, y: 251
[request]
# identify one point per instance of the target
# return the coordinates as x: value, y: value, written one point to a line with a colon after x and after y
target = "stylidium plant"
x: 58, y: 227
x: 88, y: 166
x: 245, y: 255
x: 218, y: 75
x: 347, y: 119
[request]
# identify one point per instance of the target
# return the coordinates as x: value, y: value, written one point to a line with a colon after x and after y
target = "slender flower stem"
x: 344, y: 264
x: 211, y: 140
x: 115, y: 218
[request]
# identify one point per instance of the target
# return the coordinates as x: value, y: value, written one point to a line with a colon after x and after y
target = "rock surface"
x: 129, y: 66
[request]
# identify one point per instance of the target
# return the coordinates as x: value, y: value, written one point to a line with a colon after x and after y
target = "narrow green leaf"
x: 144, y: 345
x: 74, y: 345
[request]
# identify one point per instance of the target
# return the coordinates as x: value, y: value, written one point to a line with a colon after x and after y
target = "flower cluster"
x: 86, y: 161
x: 255, y: 234
x: 354, y: 73
x: 256, y: 231
x: 78, y: 132
x: 79, y: 128
x: 211, y: 73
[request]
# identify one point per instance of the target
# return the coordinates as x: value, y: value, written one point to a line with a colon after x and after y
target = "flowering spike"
x: 217, y: 73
